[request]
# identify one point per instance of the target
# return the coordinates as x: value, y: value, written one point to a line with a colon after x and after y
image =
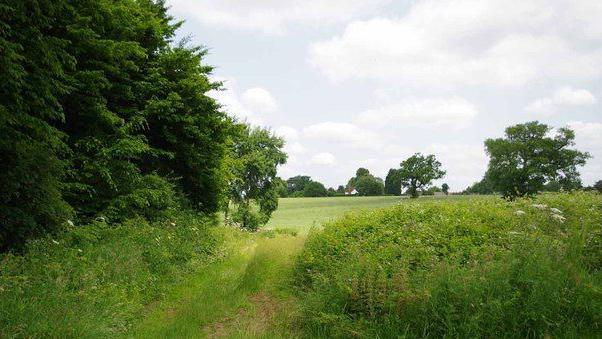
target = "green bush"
x: 474, y: 267
x: 95, y: 280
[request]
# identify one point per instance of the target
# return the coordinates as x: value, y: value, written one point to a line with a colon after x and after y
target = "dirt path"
x: 246, y: 295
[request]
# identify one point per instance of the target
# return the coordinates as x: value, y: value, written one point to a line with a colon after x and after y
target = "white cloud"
x: 453, y: 112
x: 287, y: 132
x: 469, y: 42
x: 323, y: 159
x: 344, y: 133
x: 259, y: 100
x: 464, y: 163
x: 295, y: 148
x: 588, y: 137
x: 273, y: 16
x: 251, y: 106
x: 562, y: 97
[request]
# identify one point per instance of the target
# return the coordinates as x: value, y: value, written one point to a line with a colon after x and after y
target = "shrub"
x: 462, y: 268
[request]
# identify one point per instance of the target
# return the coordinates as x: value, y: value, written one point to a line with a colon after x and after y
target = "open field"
x: 303, y: 213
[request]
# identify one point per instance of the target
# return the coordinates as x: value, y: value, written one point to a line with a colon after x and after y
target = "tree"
x: 341, y: 189
x: 297, y: 183
x: 418, y: 171
x: 255, y: 157
x: 527, y: 158
x: 393, y: 182
x: 314, y: 189
x: 598, y: 186
x: 281, y: 187
x: 445, y: 188
x: 369, y: 185
x: 481, y: 187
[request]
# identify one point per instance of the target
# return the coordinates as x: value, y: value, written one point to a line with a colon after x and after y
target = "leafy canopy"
x: 418, y: 171
x: 528, y: 157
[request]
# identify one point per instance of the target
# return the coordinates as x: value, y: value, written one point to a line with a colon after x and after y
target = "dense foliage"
x: 465, y: 267
x: 102, y: 115
x: 98, y: 280
x: 365, y: 183
x: 418, y: 171
x: 393, y: 182
x: 527, y: 158
x: 254, y: 159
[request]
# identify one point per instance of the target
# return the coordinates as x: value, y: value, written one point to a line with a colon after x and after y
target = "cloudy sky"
x: 352, y: 83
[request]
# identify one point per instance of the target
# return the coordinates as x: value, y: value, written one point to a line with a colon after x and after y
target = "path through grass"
x: 250, y: 293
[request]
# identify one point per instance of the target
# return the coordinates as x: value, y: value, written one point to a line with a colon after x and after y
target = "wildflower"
x: 519, y: 212
x: 55, y: 242
x: 80, y: 250
x: 70, y: 223
x: 173, y: 224
x: 558, y: 217
x: 101, y: 219
x: 555, y: 210
x: 540, y: 206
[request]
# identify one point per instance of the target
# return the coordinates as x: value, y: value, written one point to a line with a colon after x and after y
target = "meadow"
x: 473, y: 266
x: 301, y: 214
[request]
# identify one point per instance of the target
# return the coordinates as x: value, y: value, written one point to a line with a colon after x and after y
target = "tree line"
x: 104, y: 115
x: 527, y: 160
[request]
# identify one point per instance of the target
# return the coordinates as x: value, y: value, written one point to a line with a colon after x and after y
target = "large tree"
x: 297, y: 183
x: 315, y: 189
x: 393, y: 182
x: 528, y: 157
x: 368, y: 185
x: 255, y: 156
x: 418, y: 171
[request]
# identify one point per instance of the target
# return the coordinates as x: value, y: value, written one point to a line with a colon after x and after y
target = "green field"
x: 303, y: 213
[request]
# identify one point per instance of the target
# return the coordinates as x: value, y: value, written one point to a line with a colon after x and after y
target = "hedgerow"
x: 475, y: 267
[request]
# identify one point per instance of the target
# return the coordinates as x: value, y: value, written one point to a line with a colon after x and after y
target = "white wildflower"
x: 519, y: 212
x: 558, y: 217
x: 540, y: 206
x: 80, y: 250
x: 555, y: 210
x: 101, y: 219
x: 70, y: 223
x: 173, y: 224
x: 55, y: 242
x: 533, y: 227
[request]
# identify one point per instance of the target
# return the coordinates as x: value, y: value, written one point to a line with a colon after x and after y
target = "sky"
x: 368, y: 83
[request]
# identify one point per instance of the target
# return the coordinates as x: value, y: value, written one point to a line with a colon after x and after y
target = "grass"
x: 303, y: 213
x: 457, y: 268
x: 97, y: 280
x: 247, y: 295
x: 430, y: 267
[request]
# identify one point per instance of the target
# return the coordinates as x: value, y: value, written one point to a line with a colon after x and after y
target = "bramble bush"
x: 474, y: 267
x: 95, y: 280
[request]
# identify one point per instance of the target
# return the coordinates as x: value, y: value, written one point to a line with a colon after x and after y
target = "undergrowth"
x: 98, y: 279
x: 479, y: 267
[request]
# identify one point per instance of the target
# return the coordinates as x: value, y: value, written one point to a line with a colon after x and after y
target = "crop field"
x: 303, y: 213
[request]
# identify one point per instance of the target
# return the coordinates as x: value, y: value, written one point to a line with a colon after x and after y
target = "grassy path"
x: 246, y: 295
x: 249, y: 294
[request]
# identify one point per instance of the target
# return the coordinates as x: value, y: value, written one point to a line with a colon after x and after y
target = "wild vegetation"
x: 459, y: 268
x: 132, y: 204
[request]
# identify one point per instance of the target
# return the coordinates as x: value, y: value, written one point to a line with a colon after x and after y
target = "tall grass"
x: 465, y: 268
x: 96, y: 280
